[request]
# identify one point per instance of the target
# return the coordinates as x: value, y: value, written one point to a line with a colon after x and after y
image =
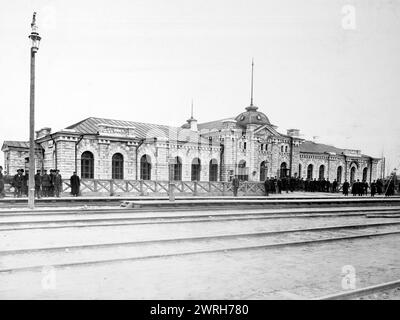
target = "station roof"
x: 313, y: 147
x: 92, y: 125
x: 18, y: 145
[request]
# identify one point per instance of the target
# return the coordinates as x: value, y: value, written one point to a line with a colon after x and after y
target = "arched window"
x: 145, y: 167
x: 352, y: 174
x: 321, y: 172
x: 117, y: 166
x: 310, y: 170
x: 300, y: 170
x: 286, y: 148
x: 365, y: 174
x: 263, y: 171
x: 213, y: 170
x: 243, y: 171
x: 281, y: 148
x: 176, y: 169
x: 339, y: 175
x: 196, y: 168
x: 87, y: 165
x: 283, y: 170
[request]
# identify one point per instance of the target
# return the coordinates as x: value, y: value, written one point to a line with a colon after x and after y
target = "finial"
x: 33, y: 24
x: 191, y: 113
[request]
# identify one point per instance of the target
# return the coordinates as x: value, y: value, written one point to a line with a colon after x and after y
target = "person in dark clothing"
x: 365, y: 187
x: 346, y: 187
x: 2, y: 193
x: 273, y: 185
x: 57, y: 183
x: 327, y: 186
x: 306, y: 184
x: 17, y: 183
x: 354, y: 188
x: 360, y: 188
x: 38, y: 184
x: 373, y: 188
x: 292, y: 184
x: 25, y: 183
x: 46, y: 184
x: 266, y: 187
x: 334, y: 186
x: 279, y: 184
x: 51, y: 187
x: 75, y: 184
x: 235, y: 186
x: 379, y: 186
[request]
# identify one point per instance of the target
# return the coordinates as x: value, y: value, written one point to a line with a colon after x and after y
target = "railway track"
x: 363, y: 292
x: 104, y: 218
x: 158, y: 248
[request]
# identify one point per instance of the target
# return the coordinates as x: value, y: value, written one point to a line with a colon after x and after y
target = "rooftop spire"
x: 252, y: 76
x: 191, y: 113
x: 251, y: 107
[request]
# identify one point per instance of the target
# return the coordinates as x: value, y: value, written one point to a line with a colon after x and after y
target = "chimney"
x: 43, y: 132
x: 192, y: 123
x: 293, y: 132
x: 229, y: 124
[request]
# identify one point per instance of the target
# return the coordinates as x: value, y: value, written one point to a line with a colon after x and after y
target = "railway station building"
x: 246, y: 145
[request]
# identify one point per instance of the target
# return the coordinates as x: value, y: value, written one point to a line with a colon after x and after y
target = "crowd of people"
x: 46, y: 184
x: 359, y: 188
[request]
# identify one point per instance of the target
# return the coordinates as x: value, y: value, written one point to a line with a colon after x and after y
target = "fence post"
x: 111, y: 188
x: 141, y: 188
x: 195, y: 188
x: 95, y: 185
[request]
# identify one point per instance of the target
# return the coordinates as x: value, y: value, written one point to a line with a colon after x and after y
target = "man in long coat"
x: 235, y: 186
x: 2, y: 193
x: 266, y: 186
x: 17, y: 183
x: 75, y: 184
x: 334, y: 186
x: 57, y: 182
x: 346, y: 187
x: 373, y: 188
x: 38, y: 184
x: 46, y: 184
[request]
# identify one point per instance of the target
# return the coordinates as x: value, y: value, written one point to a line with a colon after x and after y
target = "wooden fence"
x: 149, y: 187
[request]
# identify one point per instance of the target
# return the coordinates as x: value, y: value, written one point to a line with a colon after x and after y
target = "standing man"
x: 75, y: 184
x: 18, y: 183
x: 266, y: 187
x: 25, y: 183
x: 334, y: 186
x: 2, y: 193
x: 354, y: 188
x: 57, y: 182
x: 51, y: 188
x: 38, y: 184
x: 346, y: 186
x: 235, y: 185
x: 373, y: 189
x: 46, y: 183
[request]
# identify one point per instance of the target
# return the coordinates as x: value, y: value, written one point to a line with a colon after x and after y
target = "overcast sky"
x: 327, y: 67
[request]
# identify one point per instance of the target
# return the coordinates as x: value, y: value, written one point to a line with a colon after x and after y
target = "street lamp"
x: 35, y: 38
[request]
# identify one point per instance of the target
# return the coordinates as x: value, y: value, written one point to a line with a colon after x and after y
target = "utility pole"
x: 35, y: 38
